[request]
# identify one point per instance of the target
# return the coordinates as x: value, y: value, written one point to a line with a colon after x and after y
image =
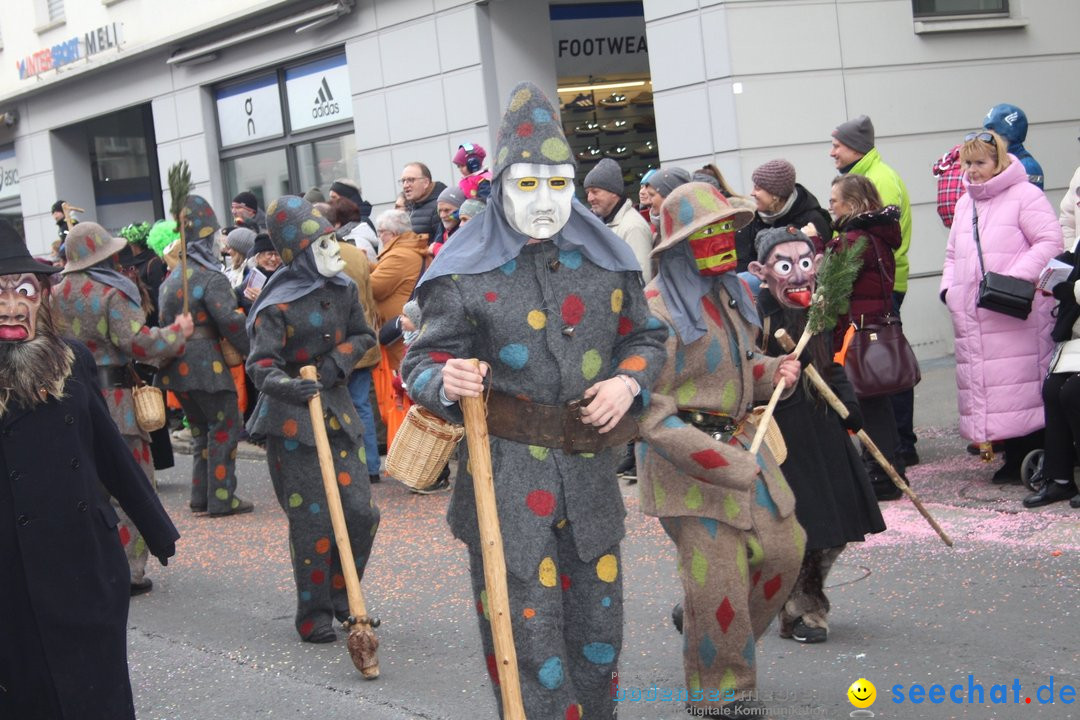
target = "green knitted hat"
x: 530, y: 132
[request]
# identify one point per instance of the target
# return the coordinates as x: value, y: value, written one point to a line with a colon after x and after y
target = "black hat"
x: 248, y: 199
x: 14, y: 257
x: 262, y: 244
x: 58, y: 206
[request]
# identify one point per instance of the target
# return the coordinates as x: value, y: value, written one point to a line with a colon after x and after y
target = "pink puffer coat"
x: 1000, y: 361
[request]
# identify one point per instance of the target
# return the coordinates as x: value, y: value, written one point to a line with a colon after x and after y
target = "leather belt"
x: 115, y: 376
x: 552, y: 426
x: 205, y: 331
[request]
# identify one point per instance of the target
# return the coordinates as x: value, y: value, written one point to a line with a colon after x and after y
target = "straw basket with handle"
x: 774, y: 438
x: 421, y: 448
x: 149, y: 404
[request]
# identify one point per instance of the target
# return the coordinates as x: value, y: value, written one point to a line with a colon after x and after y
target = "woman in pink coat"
x: 1000, y: 360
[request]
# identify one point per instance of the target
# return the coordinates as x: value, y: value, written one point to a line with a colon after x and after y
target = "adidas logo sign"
x: 1011, y: 118
x: 325, y: 105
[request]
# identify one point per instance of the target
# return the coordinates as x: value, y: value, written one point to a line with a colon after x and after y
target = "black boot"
x: 677, y: 616
x: 1051, y: 492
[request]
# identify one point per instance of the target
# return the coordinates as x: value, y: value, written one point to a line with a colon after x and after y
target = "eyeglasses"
x: 984, y: 136
x: 410, y: 180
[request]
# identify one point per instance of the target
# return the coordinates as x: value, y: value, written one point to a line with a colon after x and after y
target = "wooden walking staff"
x: 491, y: 546
x: 362, y: 641
x: 766, y: 417
x: 834, y: 402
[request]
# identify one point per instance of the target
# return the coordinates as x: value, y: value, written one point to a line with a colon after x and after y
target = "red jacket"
x: 871, y: 295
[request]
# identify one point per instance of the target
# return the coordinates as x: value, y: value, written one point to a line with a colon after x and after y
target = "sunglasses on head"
x: 984, y: 136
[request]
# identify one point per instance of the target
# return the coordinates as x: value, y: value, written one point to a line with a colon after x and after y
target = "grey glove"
x: 297, y: 390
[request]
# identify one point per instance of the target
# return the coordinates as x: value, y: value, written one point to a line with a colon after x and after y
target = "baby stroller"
x: 1031, y: 470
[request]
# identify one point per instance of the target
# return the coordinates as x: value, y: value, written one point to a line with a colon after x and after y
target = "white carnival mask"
x: 327, y: 255
x: 537, y: 198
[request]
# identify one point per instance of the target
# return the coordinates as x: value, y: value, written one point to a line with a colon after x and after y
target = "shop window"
x: 320, y: 163
x: 119, y: 156
x: 265, y: 174
x: 55, y: 9
x: 952, y: 8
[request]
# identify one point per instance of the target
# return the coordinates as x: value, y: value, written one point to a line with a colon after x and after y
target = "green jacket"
x: 893, y: 192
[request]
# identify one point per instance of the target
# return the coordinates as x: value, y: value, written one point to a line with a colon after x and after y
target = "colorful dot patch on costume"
x: 537, y: 320
x: 550, y: 673
x: 693, y: 498
x: 706, y: 651
x: 708, y: 459
x: 599, y: 653
x: 762, y: 498
x: 699, y: 567
x: 547, y: 572
x: 591, y: 362
x: 659, y: 494
x: 725, y: 613
x: 539, y: 452
x: 607, y: 568
x: 573, y: 309
x: 686, y: 392
x: 514, y: 355
x: 771, y: 587
x: 571, y: 258
x: 757, y: 553
x: 541, y: 502
x: 573, y: 712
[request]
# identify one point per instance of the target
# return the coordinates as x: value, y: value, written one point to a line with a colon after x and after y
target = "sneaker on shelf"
x: 646, y: 149
x: 645, y: 124
x: 619, y: 152
x: 614, y: 101
x: 616, y: 127
x: 587, y: 129
x: 643, y: 98
x: 589, y: 155
x: 573, y: 104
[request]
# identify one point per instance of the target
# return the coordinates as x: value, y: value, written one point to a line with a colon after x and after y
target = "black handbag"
x: 999, y: 293
x: 879, y: 360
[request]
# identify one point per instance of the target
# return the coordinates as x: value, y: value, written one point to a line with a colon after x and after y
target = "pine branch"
x: 179, y: 186
x: 835, y: 278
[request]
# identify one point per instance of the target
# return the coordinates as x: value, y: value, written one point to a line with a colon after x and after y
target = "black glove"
x: 942, y: 295
x: 854, y: 420
x: 164, y: 555
x: 1064, y: 291
x: 297, y: 390
x: 329, y: 373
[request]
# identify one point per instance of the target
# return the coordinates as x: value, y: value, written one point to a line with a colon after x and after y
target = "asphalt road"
x: 215, y: 638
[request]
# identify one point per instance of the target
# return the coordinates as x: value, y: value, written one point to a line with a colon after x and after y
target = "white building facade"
x: 99, y: 97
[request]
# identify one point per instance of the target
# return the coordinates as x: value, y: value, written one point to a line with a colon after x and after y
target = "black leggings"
x: 1061, y: 398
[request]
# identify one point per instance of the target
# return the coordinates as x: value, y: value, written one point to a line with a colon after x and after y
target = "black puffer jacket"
x: 424, y: 216
x: 805, y: 210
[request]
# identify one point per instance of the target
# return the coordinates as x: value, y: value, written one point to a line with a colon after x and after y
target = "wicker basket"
x: 231, y: 355
x: 774, y: 439
x: 421, y: 448
x: 149, y: 407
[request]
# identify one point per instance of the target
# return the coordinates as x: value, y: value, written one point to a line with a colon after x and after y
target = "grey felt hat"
x: 857, y: 134
x: 530, y: 132
x: 607, y: 175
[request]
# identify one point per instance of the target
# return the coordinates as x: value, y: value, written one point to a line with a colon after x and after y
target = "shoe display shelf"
x: 616, y: 125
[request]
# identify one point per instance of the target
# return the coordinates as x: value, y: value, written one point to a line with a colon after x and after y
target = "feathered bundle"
x: 179, y: 187
x: 135, y: 234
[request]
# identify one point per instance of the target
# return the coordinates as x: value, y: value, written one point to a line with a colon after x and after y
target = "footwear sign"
x: 318, y: 93
x: 593, y: 39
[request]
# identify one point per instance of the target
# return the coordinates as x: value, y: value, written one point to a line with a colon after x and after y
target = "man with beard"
x: 58, y: 538
x: 834, y: 500
x: 309, y: 313
x: 550, y: 301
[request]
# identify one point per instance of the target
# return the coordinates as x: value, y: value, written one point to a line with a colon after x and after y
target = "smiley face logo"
x: 862, y: 693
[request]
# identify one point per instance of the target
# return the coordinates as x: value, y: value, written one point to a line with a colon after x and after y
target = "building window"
x: 952, y: 8
x: 56, y: 10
